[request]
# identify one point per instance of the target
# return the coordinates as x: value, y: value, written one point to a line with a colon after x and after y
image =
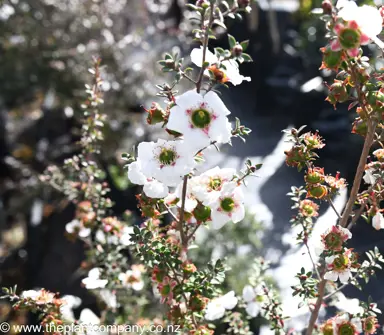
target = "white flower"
x: 231, y: 68
x: 249, y: 295
x: 109, y: 298
x: 216, y: 307
x: 369, y: 178
x: 104, y: 238
x: 228, y: 207
x: 30, y: 294
x: 70, y: 302
x: 125, y: 238
x: 132, y: 279
x: 165, y: 161
x: 201, y: 119
x: 152, y: 188
x: 75, y: 226
x: 339, y: 268
x: 378, y: 221
x: 368, y: 18
x: 207, y: 187
x: 344, y: 322
x: 87, y: 317
x: 190, y: 196
x: 345, y: 304
x: 93, y: 280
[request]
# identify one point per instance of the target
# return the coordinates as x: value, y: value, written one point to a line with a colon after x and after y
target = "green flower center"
x: 346, y: 329
x: 200, y: 118
x: 165, y: 290
x: 215, y: 184
x: 227, y: 204
x: 333, y: 241
x: 341, y: 262
x: 167, y: 156
x: 308, y: 209
x: 349, y: 38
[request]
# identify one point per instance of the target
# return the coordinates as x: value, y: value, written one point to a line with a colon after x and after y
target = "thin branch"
x: 313, y: 262
x: 172, y: 214
x: 205, y: 46
x: 333, y: 207
x: 184, y: 241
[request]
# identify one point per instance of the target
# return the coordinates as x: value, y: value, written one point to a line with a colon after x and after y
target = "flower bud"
x: 359, y: 127
x: 237, y: 50
x: 244, y: 3
x: 331, y: 59
x: 155, y: 114
x: 202, y: 3
x: 327, y: 7
x: 376, y: 100
x: 337, y: 93
x: 218, y: 74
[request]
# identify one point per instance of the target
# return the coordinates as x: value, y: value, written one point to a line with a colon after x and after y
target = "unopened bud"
x: 237, y: 50
x: 202, y: 3
x: 244, y: 3
x: 327, y: 6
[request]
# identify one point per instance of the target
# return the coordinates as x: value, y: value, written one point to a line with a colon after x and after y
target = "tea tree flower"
x: 76, y: 227
x: 334, y: 238
x: 93, y: 280
x: 339, y: 267
x: 165, y: 161
x: 202, y: 119
x: 132, y: 278
x: 216, y: 307
x: 229, y: 206
x: 369, y: 177
x: 253, y: 297
x: 362, y: 24
x: 226, y: 70
x: 345, y: 325
x: 208, y: 185
x: 378, y: 221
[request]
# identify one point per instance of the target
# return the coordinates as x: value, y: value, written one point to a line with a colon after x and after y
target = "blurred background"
x: 46, y: 47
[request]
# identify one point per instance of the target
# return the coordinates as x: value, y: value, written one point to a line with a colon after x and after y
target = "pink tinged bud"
x: 335, y: 45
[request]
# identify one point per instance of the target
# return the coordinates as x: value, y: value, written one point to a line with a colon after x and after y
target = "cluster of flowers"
x: 345, y: 323
x: 215, y: 195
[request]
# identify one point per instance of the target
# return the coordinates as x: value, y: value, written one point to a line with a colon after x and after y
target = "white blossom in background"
x: 229, y: 206
x: 216, y: 307
x: 70, y: 303
x: 253, y: 297
x: 93, y: 280
x: 230, y: 70
x: 32, y: 294
x: 75, y: 226
x: 132, y: 278
x: 87, y: 317
x: 369, y: 178
x: 165, y: 161
x: 109, y: 297
x: 378, y: 221
x: 202, y: 119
